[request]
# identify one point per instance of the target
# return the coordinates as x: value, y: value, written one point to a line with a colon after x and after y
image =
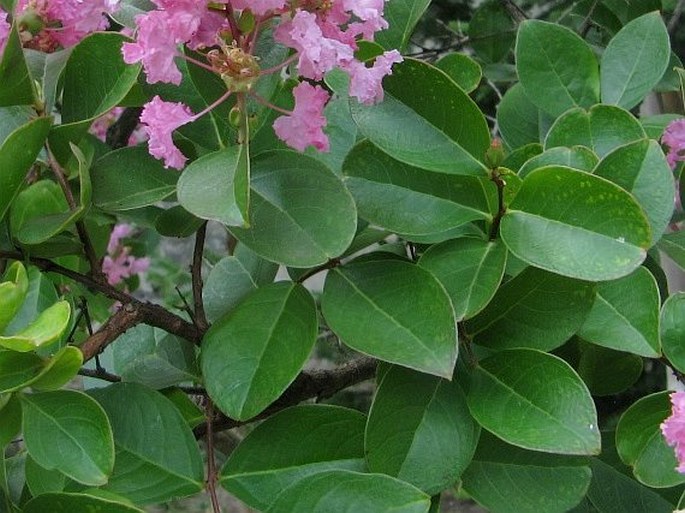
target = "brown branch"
x: 100, y: 374
x: 120, y: 132
x: 123, y: 319
x: 212, y: 476
x: 333, y: 262
x: 514, y: 11
x: 196, y: 273
x: 319, y: 384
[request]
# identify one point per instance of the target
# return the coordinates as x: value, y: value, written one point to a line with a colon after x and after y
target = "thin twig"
x: 100, y: 374
x: 199, y: 316
x: 675, y: 17
x: 333, y: 262
x: 514, y: 11
x: 587, y: 21
x: 211, y: 462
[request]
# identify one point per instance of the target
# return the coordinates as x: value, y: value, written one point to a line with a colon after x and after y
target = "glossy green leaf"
x: 17, y: 154
x: 517, y: 158
x: 420, y: 430
x: 576, y: 224
x: 13, y: 292
x: 177, y: 222
x: 608, y: 372
x: 557, y: 68
x: 16, y: 83
x: 186, y: 406
x: 409, y: 200
x: 673, y: 330
x: 536, y: 401
x: 627, y: 10
x: 461, y: 68
x: 48, y: 327
x: 612, y: 491
x: 342, y: 490
x: 341, y: 131
x: 59, y: 369
x: 577, y: 157
x: 365, y: 304
x: 72, y: 502
x: 231, y: 280
x: 290, y: 445
x: 68, y: 431
x: 41, y: 480
x: 424, y: 108
x: 641, y: 444
x: 40, y: 199
x: 10, y: 421
x: 13, y: 117
x: 209, y: 187
x: 492, y: 31
x: 470, y: 270
x: 518, y: 118
x: 402, y: 16
x: 157, y: 457
x: 155, y: 358
x: 41, y: 294
x: 301, y: 214
x: 536, y: 310
x: 625, y: 315
x: 506, y: 479
x: 673, y: 244
x: 18, y: 370
x: 641, y: 169
x: 250, y: 356
x: 602, y: 129
x: 130, y: 178
x: 635, y: 60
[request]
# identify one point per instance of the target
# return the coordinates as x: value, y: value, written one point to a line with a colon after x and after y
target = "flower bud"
x: 494, y: 155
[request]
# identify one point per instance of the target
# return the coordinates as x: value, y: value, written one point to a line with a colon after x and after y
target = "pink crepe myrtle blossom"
x: 4, y: 29
x: 119, y: 264
x: 304, y: 127
x: 160, y: 119
x: 674, y: 138
x: 366, y: 82
x: 259, y: 7
x: 673, y: 428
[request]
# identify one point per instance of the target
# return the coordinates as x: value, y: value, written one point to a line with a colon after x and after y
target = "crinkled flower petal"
x: 366, y: 84
x: 673, y: 428
x: 78, y: 18
x: 160, y: 119
x: 4, y: 30
x: 304, y: 127
x: 259, y: 7
x: 674, y: 138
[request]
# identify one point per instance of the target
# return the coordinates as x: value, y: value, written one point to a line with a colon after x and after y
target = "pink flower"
x: 78, y: 18
x: 674, y: 138
x: 370, y: 12
x: 366, y: 83
x: 304, y: 126
x: 259, y: 7
x: 673, y: 428
x: 4, y: 30
x: 119, y: 264
x: 160, y: 119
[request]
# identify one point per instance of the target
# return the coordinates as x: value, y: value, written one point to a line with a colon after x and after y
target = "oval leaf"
x: 71, y: 502
x: 673, y: 330
x: 420, y: 430
x: 301, y: 214
x: 576, y: 224
x: 518, y: 118
x: 461, y: 68
x: 59, y: 369
x: 577, y: 157
x: 18, y: 370
x: 47, y: 328
x: 12, y: 293
x: 68, y: 431
x: 340, y: 490
x: 365, y: 304
x: 250, y: 356
x: 290, y: 445
x: 514, y: 390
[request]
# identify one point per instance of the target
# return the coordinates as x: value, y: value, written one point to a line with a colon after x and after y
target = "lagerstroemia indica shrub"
x: 499, y: 275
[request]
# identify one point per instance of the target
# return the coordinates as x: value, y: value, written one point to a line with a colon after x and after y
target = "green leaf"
x: 12, y: 293
x: 424, y: 109
x: 301, y: 214
x: 536, y: 401
x: 16, y: 83
x: 641, y: 444
x: 41, y: 294
x: 402, y: 16
x: 557, y: 68
x: 40, y: 480
x: 71, y: 502
x: 608, y: 372
x: 536, y: 310
x: 627, y: 10
x: 290, y: 445
x: 492, y: 31
x: 177, y: 222
x: 577, y: 157
x: 212, y: 187
x: 341, y: 490
x: 59, y: 369
x: 576, y: 224
x: 47, y: 328
x: 342, y: 134
x: 470, y: 270
x: 613, y: 492
x: 625, y: 315
x: 518, y: 118
x: 250, y: 356
x: 641, y: 169
x: 635, y: 60
x: 462, y: 69
x: 17, y: 154
x: 18, y: 370
x: 420, y: 430
x: 673, y: 244
x: 13, y: 117
x: 517, y: 158
x: 157, y: 457
x: 673, y: 330
x: 231, y: 280
x: 10, y: 421
x: 365, y: 304
x: 68, y: 431
x: 389, y: 193
x: 602, y: 129
x: 155, y: 358
x: 506, y: 479
x: 130, y: 178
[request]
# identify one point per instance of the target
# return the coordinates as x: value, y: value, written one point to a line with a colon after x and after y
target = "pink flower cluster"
x: 673, y: 428
x: 119, y: 264
x: 322, y: 32
x: 674, y: 138
x: 4, y: 30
